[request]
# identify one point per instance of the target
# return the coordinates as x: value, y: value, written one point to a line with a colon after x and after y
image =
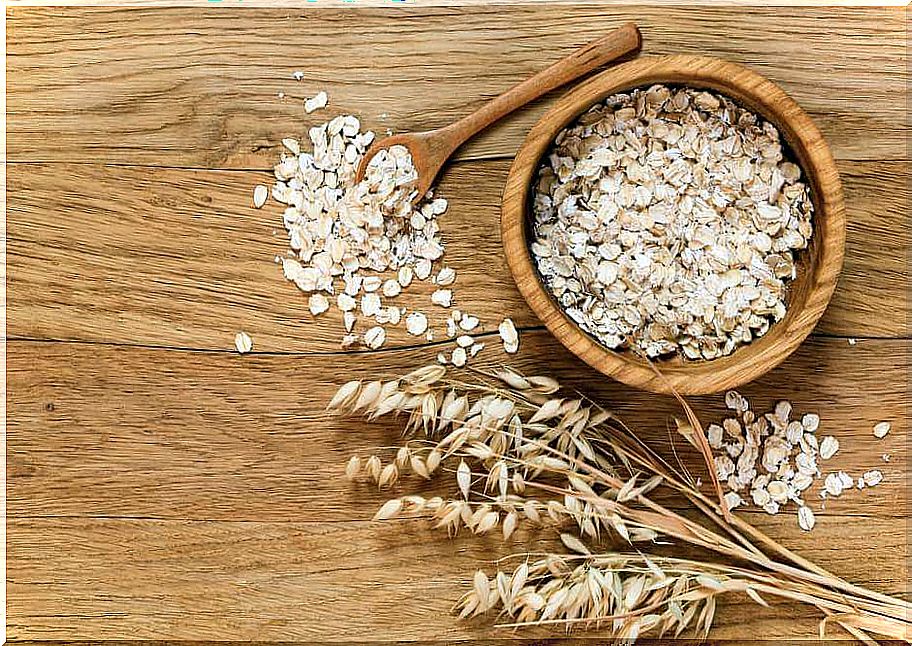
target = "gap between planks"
x: 382, y: 350
x: 212, y: 435
x: 215, y: 104
x: 181, y: 258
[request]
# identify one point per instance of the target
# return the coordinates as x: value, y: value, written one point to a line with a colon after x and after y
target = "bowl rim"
x: 804, y: 139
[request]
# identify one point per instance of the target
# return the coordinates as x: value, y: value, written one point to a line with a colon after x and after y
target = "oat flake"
x: 243, y: 342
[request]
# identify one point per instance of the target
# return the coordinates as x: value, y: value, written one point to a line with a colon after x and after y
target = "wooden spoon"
x: 431, y: 149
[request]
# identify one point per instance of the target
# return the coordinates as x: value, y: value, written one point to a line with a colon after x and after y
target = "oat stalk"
x: 520, y: 453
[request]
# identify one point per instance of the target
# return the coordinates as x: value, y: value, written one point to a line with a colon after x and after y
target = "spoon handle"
x: 584, y: 60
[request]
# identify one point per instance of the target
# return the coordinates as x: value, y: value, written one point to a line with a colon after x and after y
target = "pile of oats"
x: 359, y: 245
x: 666, y: 220
x: 772, y: 459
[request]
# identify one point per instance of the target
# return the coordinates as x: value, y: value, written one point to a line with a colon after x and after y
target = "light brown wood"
x: 180, y: 491
x: 818, y: 266
x: 209, y: 100
x: 223, y: 514
x: 431, y: 149
x: 180, y: 258
x: 244, y: 442
x: 327, y: 583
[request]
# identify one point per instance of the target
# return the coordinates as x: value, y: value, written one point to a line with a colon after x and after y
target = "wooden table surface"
x: 160, y: 486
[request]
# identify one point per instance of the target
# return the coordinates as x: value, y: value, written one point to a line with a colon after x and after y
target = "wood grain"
x: 99, y: 578
x: 97, y: 84
x: 817, y: 268
x: 247, y: 438
x: 180, y: 258
x: 162, y: 487
x: 229, y: 503
x: 431, y: 149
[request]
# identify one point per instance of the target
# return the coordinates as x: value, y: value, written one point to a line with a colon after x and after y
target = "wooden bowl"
x: 817, y: 266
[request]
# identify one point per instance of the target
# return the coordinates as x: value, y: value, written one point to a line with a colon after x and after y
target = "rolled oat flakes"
x: 666, y: 219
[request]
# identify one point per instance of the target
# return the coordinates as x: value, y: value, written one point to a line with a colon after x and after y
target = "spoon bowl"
x: 429, y: 151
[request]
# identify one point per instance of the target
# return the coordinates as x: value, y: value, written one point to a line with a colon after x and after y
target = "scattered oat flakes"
x: 810, y: 422
x: 352, y: 244
x: 509, y: 336
x: 423, y: 269
x: 370, y: 304
x: 775, y: 458
x: 371, y: 283
x: 852, y: 341
x: 806, y: 518
x: 391, y: 288
x: 881, y: 429
x: 404, y: 276
x: 873, y: 478
x: 243, y: 342
x: 459, y: 357
x: 298, y: 75
x: 348, y: 320
x: 468, y: 323
x: 782, y: 410
x: 778, y: 491
x: 714, y: 435
x: 446, y: 276
x: 732, y: 500
x: 393, y: 315
x: 345, y: 303
x: 416, y: 323
x: 828, y: 447
x: 316, y: 103
x: 374, y: 337
x: 260, y: 193
x: 760, y: 496
x: 832, y: 484
x: 442, y: 297
x: 318, y: 304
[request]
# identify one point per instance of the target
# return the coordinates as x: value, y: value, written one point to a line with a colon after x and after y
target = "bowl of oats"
x: 676, y: 222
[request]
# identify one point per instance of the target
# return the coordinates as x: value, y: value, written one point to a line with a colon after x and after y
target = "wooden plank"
x: 329, y: 582
x: 118, y: 431
x: 90, y: 84
x: 180, y: 258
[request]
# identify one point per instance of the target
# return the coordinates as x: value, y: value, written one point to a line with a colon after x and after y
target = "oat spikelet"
x: 353, y: 467
x: 389, y: 509
x: 525, y: 454
x: 574, y: 544
x: 545, y: 385
x: 513, y: 379
x: 464, y: 478
x: 548, y: 410
x: 345, y: 396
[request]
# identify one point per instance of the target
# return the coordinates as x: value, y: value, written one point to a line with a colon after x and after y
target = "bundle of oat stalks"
x: 521, y: 453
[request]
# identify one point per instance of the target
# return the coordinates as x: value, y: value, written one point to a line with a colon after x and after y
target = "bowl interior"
x: 817, y: 266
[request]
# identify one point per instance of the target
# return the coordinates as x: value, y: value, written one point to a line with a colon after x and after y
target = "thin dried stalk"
x: 505, y: 436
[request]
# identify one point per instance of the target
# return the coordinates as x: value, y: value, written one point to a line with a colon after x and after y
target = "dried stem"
x: 504, y: 436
